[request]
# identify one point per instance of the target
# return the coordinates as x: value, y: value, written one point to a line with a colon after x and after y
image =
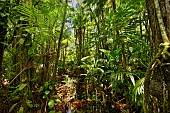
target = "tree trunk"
x: 2, y: 38
x: 157, y: 79
x: 3, y: 30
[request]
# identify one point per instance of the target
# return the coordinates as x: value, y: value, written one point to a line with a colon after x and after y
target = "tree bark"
x: 2, y: 39
x: 157, y: 79
x: 3, y: 31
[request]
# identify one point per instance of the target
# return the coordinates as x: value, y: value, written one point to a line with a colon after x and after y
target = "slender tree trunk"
x: 2, y: 39
x: 54, y: 77
x: 3, y: 31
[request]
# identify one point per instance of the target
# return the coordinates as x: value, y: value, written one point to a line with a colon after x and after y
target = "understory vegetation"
x: 58, y: 57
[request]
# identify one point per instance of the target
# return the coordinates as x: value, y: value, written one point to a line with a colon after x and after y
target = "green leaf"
x: 50, y: 87
x: 64, y: 42
x: 29, y: 104
x: 4, y: 43
x: 116, y: 52
x: 107, y: 53
x: 21, y: 41
x: 29, y: 93
x: 101, y: 70
x: 31, y: 51
x: 45, y: 0
x: 47, y: 92
x: 132, y: 79
x: 28, y: 43
x: 22, y: 18
x: 53, y: 111
x: 103, y: 50
x: 12, y: 107
x: 138, y: 88
x: 51, y: 104
x: 41, y: 88
x: 84, y: 58
x: 58, y: 101
x: 21, y: 110
x: 46, y: 85
x: 22, y: 86
x: 55, y: 96
x: 45, y: 96
x: 15, y: 98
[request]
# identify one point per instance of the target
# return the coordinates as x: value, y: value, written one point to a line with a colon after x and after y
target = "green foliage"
x: 46, y: 89
x: 12, y: 107
x: 51, y: 104
x: 21, y: 110
x: 53, y: 111
x: 95, y: 41
x: 111, y: 55
x: 138, y: 89
x: 19, y: 88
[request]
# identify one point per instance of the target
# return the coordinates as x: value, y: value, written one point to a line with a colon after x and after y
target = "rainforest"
x: 84, y: 56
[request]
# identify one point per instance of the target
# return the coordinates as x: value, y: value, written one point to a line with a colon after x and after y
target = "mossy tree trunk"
x: 157, y: 79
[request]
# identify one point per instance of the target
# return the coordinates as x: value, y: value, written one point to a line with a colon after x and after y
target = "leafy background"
x: 103, y: 55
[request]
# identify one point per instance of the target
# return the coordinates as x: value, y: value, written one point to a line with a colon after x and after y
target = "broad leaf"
x: 51, y: 104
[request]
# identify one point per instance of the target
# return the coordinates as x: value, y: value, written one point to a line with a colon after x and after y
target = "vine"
x: 156, y: 61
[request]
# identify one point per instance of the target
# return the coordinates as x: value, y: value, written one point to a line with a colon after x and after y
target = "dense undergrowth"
x: 57, y: 58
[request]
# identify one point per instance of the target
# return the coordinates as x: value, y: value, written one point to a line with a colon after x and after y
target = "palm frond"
x: 138, y: 89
